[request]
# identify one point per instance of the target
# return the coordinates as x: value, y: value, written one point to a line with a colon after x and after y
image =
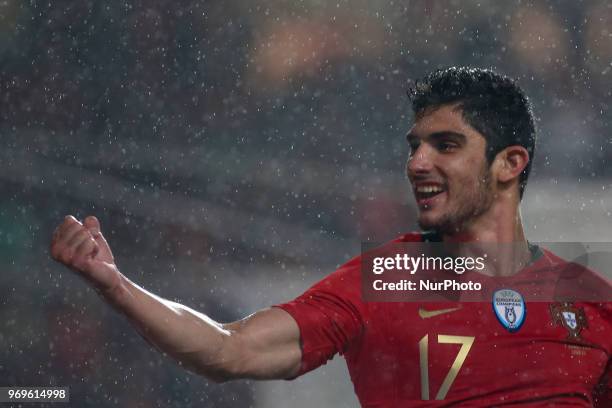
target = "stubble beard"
x: 468, y: 206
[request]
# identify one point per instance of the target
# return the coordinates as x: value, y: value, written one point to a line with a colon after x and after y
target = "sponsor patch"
x: 509, y: 307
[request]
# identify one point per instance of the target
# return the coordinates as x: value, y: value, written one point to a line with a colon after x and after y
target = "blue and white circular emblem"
x: 509, y: 308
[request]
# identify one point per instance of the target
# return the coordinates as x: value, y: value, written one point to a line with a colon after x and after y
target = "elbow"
x: 234, y: 368
x: 228, y: 362
x: 227, y: 368
x: 218, y: 372
x: 223, y: 374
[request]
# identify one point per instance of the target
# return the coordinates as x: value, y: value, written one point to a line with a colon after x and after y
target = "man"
x: 471, y: 148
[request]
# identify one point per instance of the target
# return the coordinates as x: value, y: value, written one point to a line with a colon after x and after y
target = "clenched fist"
x: 82, y: 248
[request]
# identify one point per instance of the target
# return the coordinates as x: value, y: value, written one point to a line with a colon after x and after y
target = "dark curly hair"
x: 491, y: 103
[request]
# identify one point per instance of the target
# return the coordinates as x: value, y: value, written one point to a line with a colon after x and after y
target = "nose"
x: 420, y: 161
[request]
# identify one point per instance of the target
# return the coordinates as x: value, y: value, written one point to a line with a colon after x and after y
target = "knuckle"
x: 67, y: 255
x: 70, y: 222
x: 78, y: 237
x: 84, y: 247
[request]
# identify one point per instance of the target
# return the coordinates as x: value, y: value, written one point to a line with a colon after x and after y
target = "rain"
x: 237, y: 152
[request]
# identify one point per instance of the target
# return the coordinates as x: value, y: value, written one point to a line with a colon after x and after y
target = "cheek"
x: 461, y: 175
x: 465, y: 183
x: 470, y: 168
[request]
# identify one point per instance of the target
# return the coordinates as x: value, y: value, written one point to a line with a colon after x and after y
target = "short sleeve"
x: 329, y: 315
x: 603, y: 392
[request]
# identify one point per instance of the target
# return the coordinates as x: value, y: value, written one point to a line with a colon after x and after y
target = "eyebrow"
x: 460, y: 137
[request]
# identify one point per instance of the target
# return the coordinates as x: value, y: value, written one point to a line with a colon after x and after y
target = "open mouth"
x: 425, y: 194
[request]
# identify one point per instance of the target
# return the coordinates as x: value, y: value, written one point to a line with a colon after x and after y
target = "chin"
x: 428, y: 223
x: 440, y: 223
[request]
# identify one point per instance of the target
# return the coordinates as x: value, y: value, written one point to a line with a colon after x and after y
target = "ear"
x: 511, y: 162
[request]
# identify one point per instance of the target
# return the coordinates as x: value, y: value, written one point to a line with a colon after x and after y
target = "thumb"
x: 93, y: 225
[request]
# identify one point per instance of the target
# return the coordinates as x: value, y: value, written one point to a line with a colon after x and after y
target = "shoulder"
x: 576, y: 281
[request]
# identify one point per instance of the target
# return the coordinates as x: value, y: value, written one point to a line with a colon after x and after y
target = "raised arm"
x: 265, y: 345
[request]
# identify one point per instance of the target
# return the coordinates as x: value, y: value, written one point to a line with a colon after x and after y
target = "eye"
x: 446, y: 146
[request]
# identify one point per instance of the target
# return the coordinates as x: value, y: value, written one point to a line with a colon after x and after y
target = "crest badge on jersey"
x: 509, y: 307
x: 569, y: 316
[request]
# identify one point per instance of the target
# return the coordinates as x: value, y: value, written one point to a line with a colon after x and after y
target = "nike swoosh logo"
x: 426, y: 314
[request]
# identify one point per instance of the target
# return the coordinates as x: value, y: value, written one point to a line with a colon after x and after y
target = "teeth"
x: 429, y: 189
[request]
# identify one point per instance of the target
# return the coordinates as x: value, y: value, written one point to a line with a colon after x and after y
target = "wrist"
x: 118, y: 292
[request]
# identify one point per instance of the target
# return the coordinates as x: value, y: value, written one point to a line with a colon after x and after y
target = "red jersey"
x: 450, y: 353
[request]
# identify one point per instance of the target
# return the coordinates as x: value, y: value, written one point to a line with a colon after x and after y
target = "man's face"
x: 449, y: 173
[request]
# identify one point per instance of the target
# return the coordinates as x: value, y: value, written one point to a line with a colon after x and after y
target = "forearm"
x: 192, y: 338
x: 264, y: 345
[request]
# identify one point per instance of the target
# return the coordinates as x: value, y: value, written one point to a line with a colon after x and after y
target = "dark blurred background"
x: 236, y: 152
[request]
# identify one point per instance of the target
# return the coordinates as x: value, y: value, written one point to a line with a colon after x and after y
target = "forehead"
x: 447, y: 118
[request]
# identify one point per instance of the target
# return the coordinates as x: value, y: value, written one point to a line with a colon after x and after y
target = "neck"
x: 498, y: 231
x: 498, y: 225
